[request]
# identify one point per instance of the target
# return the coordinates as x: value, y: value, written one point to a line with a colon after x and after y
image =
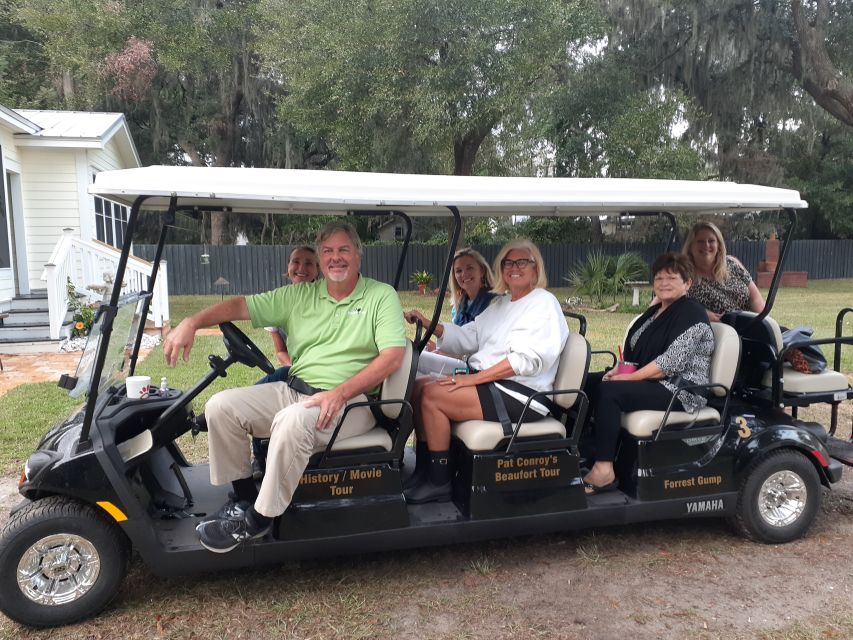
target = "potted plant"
x: 422, y: 279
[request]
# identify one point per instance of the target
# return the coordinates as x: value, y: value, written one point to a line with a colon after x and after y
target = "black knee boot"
x: 421, y: 465
x: 436, y: 486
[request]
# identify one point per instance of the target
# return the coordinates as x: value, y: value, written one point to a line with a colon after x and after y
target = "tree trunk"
x: 595, y: 229
x: 813, y: 68
x: 67, y: 86
x: 465, y: 150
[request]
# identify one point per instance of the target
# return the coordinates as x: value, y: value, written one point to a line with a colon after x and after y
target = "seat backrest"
x: 572, y: 368
x: 628, y: 330
x: 396, y: 386
x: 777, y: 333
x: 726, y: 356
x: 767, y: 330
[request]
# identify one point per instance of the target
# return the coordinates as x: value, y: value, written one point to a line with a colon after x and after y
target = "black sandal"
x: 592, y: 489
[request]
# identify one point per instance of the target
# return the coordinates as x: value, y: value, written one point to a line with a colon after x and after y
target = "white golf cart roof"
x: 300, y: 191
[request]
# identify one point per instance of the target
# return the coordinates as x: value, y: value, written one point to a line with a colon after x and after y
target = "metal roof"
x: 72, y: 124
x: 17, y: 122
x: 78, y: 129
x: 301, y: 191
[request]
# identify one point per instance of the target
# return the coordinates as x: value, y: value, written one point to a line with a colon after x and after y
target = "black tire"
x: 783, y: 509
x: 77, y: 541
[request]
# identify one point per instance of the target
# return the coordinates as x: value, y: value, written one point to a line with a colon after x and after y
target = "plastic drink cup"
x: 138, y: 386
x: 626, y: 367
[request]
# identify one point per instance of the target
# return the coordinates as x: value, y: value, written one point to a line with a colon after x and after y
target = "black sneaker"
x: 221, y: 536
x: 233, y: 509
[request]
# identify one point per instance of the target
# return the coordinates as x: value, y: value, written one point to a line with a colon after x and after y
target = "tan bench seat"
x: 395, y: 387
x: 482, y: 435
x: 794, y: 381
x: 724, y: 364
x: 376, y: 437
x: 642, y: 424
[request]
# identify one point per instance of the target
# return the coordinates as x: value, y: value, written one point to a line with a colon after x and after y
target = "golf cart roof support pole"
x: 439, y: 300
x: 673, y: 230
x: 836, y: 365
x: 673, y: 226
x: 401, y: 263
x: 777, y: 275
x: 110, y: 313
x: 168, y: 219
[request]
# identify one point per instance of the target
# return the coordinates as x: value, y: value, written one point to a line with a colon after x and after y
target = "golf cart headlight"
x: 35, y: 463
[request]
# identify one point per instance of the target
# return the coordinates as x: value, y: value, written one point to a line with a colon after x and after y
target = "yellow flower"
x: 79, y: 326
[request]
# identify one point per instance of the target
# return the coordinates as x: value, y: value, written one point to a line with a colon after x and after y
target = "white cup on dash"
x: 138, y: 386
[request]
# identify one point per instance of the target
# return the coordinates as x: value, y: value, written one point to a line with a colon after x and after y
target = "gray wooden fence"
x: 255, y: 268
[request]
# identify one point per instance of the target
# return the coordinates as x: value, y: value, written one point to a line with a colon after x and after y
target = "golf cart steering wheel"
x: 242, y: 349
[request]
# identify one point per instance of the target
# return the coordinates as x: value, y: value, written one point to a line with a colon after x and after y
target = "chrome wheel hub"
x: 782, y: 498
x: 58, y: 569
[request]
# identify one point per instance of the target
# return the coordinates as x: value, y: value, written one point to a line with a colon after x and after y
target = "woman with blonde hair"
x: 721, y: 283
x: 514, y: 348
x: 471, y: 286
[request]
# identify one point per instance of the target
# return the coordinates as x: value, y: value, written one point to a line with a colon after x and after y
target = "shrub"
x: 602, y: 275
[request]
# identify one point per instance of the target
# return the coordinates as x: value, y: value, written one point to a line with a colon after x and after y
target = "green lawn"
x: 28, y: 411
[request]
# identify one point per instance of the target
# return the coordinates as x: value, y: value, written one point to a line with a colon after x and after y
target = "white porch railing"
x: 91, y: 266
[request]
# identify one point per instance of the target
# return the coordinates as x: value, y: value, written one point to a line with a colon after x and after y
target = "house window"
x: 398, y: 232
x: 110, y: 221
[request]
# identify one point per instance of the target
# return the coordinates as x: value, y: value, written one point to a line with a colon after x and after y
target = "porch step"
x: 33, y: 346
x: 29, y: 318
x: 31, y: 302
x: 27, y: 322
x: 34, y: 333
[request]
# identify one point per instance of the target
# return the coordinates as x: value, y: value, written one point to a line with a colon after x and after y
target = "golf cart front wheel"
x: 779, y: 498
x: 60, y: 561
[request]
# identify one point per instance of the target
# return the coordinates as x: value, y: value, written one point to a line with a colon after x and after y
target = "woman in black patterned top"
x: 722, y: 283
x: 671, y: 343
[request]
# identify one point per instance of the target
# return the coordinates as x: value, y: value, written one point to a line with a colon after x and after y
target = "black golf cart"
x: 111, y: 479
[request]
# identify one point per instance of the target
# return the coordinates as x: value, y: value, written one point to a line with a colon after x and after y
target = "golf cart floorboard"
x: 841, y: 450
x: 428, y: 525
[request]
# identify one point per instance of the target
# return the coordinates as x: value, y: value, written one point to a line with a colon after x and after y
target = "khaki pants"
x: 277, y: 412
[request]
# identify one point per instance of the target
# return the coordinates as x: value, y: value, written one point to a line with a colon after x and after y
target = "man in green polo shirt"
x: 345, y: 336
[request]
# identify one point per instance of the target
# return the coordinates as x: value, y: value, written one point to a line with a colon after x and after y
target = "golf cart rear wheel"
x: 60, y: 561
x: 779, y: 497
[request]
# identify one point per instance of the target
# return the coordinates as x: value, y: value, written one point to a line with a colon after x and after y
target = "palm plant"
x: 602, y: 275
x: 627, y: 267
x: 590, y: 277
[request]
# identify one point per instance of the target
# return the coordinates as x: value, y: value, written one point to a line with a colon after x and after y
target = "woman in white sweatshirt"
x: 514, y: 348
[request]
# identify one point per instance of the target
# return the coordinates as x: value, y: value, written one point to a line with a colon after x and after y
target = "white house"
x: 51, y: 228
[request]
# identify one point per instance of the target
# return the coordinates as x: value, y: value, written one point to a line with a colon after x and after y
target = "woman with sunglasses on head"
x: 471, y: 291
x: 514, y: 347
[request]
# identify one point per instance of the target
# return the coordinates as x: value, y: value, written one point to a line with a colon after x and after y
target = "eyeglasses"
x: 521, y: 263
